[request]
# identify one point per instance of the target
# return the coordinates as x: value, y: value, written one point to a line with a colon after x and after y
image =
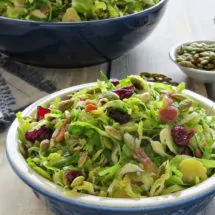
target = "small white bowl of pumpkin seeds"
x: 196, y: 59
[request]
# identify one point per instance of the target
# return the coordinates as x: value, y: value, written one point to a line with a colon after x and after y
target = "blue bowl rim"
x: 51, y: 24
x: 52, y: 195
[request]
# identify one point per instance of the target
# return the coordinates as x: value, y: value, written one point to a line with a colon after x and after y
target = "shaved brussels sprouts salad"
x: 121, y: 138
x: 73, y: 10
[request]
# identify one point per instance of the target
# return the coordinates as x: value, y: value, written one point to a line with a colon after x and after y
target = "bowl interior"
x: 50, y: 189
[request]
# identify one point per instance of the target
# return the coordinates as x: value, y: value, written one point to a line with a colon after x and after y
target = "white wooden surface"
x: 183, y: 20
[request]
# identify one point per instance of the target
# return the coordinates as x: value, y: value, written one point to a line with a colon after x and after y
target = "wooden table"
x: 184, y: 20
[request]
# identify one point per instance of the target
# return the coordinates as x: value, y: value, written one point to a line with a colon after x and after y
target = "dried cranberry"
x: 125, y: 92
x: 181, y: 136
x: 118, y: 115
x: 114, y: 81
x: 39, y: 134
x: 186, y: 151
x: 41, y: 112
x: 168, y: 114
x: 197, y: 153
x: 103, y: 103
x: 71, y: 175
x: 82, y: 99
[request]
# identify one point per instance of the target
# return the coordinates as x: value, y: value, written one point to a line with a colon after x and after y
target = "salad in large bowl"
x: 121, y: 139
x: 73, y: 10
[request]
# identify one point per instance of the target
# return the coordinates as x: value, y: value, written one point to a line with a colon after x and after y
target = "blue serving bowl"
x: 187, y: 202
x: 77, y: 44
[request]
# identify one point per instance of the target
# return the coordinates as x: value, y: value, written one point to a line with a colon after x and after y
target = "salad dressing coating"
x: 125, y: 138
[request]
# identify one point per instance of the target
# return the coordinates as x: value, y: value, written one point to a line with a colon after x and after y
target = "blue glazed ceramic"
x: 187, y: 202
x: 63, y: 44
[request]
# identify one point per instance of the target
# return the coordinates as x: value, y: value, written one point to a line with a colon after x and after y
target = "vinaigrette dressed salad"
x: 126, y: 139
x: 71, y: 11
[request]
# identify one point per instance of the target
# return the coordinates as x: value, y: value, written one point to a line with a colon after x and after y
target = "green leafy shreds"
x: 39, y: 170
x: 138, y: 158
x: 160, y: 86
x: 24, y: 125
x: 180, y: 87
x: 124, y: 82
x: 84, y: 10
x: 104, y: 77
x: 159, y: 185
x: 109, y: 172
x: 83, y: 128
x: 172, y: 189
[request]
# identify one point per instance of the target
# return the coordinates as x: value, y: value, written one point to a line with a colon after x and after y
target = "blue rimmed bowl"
x: 186, y: 202
x: 77, y: 44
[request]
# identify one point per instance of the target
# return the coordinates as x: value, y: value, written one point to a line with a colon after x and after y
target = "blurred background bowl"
x: 200, y: 75
x: 77, y: 44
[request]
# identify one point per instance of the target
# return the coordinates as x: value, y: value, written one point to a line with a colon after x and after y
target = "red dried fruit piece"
x: 168, y: 94
x: 168, y: 114
x: 186, y: 151
x: 44, y: 9
x: 142, y: 157
x: 39, y: 134
x: 125, y: 92
x: 167, y: 101
x: 204, y: 144
x: 41, y: 112
x: 71, y: 175
x: 82, y: 99
x: 197, y: 153
x: 90, y: 107
x: 103, y: 102
x: 181, y: 136
x: 114, y: 81
x: 118, y: 115
x: 60, y: 136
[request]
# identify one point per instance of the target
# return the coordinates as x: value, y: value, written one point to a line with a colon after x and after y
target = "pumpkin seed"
x: 185, y: 104
x: 196, y: 55
x: 44, y: 145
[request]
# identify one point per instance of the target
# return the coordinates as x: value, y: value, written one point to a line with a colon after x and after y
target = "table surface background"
x: 184, y: 20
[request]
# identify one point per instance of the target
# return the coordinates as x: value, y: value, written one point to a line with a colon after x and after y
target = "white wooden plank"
x: 22, y: 91
x: 201, y: 17
x: 70, y: 77
x: 25, y: 93
x: 16, y: 197
x: 152, y: 54
x: 183, y: 21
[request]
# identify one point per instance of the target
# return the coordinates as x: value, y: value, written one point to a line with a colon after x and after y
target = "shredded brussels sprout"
x: 106, y: 140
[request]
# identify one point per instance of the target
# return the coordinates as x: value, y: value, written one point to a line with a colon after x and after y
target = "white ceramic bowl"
x: 188, y: 201
x: 197, y: 74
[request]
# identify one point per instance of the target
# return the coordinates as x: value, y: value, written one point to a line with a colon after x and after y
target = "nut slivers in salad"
x: 120, y: 138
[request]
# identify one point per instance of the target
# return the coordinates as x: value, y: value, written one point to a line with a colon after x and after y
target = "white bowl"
x: 197, y: 74
x: 188, y: 201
